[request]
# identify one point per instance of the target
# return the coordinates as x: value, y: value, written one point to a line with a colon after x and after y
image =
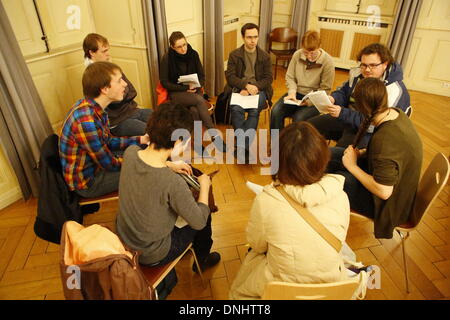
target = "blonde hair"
x: 311, y: 40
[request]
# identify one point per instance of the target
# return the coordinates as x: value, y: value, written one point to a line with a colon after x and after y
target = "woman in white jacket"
x: 284, y: 247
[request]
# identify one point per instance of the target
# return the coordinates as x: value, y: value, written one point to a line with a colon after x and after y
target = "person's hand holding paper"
x: 252, y: 89
x: 334, y: 110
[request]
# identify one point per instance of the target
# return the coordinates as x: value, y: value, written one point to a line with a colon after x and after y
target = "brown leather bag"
x: 211, y: 202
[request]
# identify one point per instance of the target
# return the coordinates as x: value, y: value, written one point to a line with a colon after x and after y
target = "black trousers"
x: 333, y: 129
x: 181, y: 238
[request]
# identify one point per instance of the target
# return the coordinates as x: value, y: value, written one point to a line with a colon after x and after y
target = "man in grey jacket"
x: 249, y: 72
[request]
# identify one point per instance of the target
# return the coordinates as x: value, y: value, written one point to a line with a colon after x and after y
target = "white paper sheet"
x: 289, y: 101
x: 246, y: 102
x: 320, y: 100
x: 180, y: 223
x: 190, y: 79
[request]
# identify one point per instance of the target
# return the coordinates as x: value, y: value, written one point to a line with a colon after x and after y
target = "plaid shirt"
x: 86, y: 144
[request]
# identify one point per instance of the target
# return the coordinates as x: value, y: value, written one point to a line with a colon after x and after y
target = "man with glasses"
x: 342, y: 121
x: 311, y: 68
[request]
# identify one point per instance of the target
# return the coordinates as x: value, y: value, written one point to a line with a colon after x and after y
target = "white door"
x: 9, y: 187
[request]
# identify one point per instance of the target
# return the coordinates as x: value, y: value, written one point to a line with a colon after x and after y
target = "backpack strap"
x: 311, y: 220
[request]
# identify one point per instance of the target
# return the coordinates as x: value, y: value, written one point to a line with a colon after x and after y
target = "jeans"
x: 239, y: 122
x: 134, y: 125
x: 103, y: 183
x: 361, y: 199
x: 181, y: 238
x: 280, y: 111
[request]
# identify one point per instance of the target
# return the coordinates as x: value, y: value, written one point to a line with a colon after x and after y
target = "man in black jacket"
x: 249, y: 73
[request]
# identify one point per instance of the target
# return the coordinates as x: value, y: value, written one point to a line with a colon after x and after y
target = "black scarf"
x: 176, y: 60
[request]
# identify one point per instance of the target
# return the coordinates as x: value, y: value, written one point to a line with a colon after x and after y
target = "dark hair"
x: 304, y: 155
x: 176, y: 35
x: 371, y: 98
x: 381, y: 50
x: 97, y: 76
x: 311, y: 40
x: 90, y: 43
x: 248, y: 26
x: 164, y: 121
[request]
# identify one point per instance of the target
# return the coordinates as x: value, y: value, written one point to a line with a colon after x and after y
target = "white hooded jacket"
x: 285, y: 247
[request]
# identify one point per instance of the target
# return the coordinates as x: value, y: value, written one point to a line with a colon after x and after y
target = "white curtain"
x: 300, y: 16
x: 156, y: 37
x: 265, y: 23
x: 403, y: 29
x: 213, y: 46
x: 24, y: 124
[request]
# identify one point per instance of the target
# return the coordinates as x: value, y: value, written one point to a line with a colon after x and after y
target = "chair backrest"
x: 409, y: 111
x: 343, y: 290
x: 283, y: 35
x: 431, y: 184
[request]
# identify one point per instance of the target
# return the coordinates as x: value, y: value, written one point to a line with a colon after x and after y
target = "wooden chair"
x: 105, y: 198
x: 211, y: 111
x: 409, y: 111
x: 155, y: 275
x: 343, y: 290
x: 286, y: 36
x: 431, y: 184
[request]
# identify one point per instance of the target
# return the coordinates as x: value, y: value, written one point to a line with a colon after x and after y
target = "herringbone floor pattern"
x: 29, y: 265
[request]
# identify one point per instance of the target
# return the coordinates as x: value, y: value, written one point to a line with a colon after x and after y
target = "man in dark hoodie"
x: 342, y: 121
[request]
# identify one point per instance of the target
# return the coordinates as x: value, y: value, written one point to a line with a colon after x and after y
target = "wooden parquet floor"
x: 29, y: 265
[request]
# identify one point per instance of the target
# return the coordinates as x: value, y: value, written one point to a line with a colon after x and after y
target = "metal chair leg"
x: 404, y: 237
x: 198, y: 266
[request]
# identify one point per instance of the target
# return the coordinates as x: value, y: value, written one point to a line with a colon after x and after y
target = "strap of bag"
x: 311, y: 220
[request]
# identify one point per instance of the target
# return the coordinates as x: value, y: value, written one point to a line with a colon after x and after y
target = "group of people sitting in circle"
x: 108, y: 143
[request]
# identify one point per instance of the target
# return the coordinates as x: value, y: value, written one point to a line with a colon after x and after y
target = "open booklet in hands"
x: 319, y: 99
x: 190, y: 79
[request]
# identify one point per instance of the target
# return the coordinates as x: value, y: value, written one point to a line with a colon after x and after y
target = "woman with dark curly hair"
x: 152, y: 196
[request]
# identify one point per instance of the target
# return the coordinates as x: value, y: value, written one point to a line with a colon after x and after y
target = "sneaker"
x: 211, y: 260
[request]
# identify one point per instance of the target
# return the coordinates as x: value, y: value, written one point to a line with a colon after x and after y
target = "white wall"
x: 186, y: 16
x: 428, y: 66
x: 57, y: 74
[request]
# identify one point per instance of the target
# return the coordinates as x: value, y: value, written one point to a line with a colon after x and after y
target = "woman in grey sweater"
x: 152, y: 196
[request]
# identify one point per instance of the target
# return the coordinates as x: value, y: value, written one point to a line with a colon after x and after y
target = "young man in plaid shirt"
x: 90, y: 155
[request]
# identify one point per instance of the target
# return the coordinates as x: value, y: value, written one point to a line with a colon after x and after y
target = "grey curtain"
x: 265, y: 23
x: 213, y: 46
x: 300, y: 16
x: 403, y: 28
x: 24, y: 124
x: 156, y: 37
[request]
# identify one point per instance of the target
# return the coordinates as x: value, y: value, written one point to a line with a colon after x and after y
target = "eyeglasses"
x: 313, y: 53
x: 182, y: 46
x: 370, y: 66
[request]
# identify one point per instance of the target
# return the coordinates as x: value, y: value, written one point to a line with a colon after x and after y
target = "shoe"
x: 211, y: 260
